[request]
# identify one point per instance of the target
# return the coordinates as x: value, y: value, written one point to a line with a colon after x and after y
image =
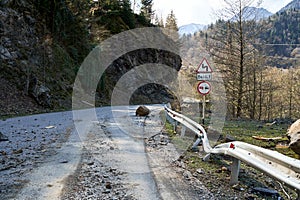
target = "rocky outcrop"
x: 39, y: 92
x: 30, y: 48
x: 293, y: 134
x: 23, y: 52
x: 21, y: 49
x: 150, y: 93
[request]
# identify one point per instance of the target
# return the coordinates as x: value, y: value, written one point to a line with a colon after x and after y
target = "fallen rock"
x: 293, y: 134
x: 19, y: 151
x: 200, y: 171
x: 187, y: 175
x: 108, y: 185
x: 3, y: 137
x: 4, y: 53
x: 142, y: 111
x: 39, y: 92
x: 265, y: 191
x: 238, y: 187
x: 63, y: 161
x: 229, y: 138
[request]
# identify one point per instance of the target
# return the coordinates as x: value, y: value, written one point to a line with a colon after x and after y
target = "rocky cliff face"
x: 35, y: 70
x: 22, y: 53
x: 38, y: 70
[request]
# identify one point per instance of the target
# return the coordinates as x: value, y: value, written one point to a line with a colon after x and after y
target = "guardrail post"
x: 196, y: 143
x: 235, y: 169
x: 175, y: 126
x: 171, y: 121
x: 183, y: 129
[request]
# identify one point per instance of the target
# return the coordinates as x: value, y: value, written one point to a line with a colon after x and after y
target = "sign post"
x: 204, y: 74
x: 203, y: 88
x: 203, y: 109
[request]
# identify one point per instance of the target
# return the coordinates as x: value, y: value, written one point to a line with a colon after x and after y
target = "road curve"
x: 119, y: 145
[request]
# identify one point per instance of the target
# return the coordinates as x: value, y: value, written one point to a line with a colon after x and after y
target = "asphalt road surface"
x: 116, y: 156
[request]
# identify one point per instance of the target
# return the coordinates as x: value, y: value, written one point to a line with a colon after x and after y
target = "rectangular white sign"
x: 204, y: 76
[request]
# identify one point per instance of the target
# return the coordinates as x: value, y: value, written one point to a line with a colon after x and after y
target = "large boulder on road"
x: 293, y: 134
x: 142, y: 111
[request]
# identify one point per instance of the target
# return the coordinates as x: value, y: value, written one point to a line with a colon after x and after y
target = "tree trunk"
x: 260, y: 96
x: 241, y: 66
x: 253, y: 109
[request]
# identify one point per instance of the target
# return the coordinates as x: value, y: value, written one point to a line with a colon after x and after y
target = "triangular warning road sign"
x: 204, y: 67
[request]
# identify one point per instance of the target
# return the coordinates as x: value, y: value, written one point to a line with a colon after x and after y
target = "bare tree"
x: 232, y: 46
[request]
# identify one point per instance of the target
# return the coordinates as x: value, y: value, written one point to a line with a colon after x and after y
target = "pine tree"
x: 171, y: 22
x: 146, y: 9
x: 159, y: 21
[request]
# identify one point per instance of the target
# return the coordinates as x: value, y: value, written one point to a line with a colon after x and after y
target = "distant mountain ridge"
x: 253, y: 13
x: 191, y: 29
x: 292, y: 5
x: 250, y: 13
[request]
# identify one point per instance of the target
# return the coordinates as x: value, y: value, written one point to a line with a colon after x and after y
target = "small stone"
x: 229, y: 138
x: 108, y: 185
x: 200, y: 171
x: 163, y: 143
x: 3, y: 137
x: 63, y: 161
x: 224, y: 169
x: 237, y: 187
x: 90, y: 163
x: 106, y: 191
x: 5, y: 54
x: 19, y: 151
x: 187, y: 175
x: 105, y: 176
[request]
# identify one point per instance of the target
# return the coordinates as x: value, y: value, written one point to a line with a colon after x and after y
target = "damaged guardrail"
x: 281, y: 167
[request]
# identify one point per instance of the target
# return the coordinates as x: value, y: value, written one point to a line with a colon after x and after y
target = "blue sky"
x: 200, y: 11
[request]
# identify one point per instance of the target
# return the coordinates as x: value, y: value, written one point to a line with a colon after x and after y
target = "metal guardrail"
x: 281, y: 167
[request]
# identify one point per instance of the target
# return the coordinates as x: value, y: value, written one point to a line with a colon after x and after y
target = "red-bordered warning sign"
x: 204, y: 67
x: 204, y: 87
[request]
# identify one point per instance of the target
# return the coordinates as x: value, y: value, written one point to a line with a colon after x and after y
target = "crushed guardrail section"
x: 281, y: 167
